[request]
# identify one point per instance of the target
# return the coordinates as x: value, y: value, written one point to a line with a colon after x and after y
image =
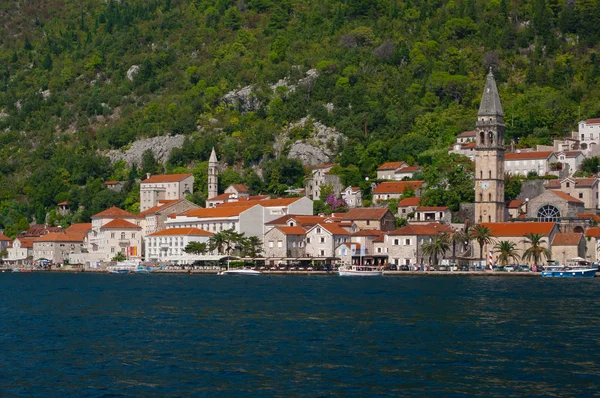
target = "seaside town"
x: 553, y: 219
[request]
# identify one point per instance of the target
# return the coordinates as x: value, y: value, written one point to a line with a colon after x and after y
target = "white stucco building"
x: 164, y: 187
x: 169, y: 244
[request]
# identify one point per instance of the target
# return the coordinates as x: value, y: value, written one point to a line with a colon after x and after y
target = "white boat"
x: 360, y: 270
x: 123, y: 267
x: 240, y: 271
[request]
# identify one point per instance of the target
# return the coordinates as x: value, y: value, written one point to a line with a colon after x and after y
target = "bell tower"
x: 489, y: 156
x: 213, y: 175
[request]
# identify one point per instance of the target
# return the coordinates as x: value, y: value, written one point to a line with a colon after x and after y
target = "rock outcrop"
x: 161, y: 147
x: 242, y: 99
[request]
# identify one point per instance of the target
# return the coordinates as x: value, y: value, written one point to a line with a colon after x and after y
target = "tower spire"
x: 490, y: 100
x: 213, y: 175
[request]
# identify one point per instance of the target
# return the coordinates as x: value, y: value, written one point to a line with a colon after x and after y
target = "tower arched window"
x: 490, y: 197
x: 491, y: 138
x: 480, y: 197
x: 481, y: 174
x: 482, y: 138
x: 490, y: 173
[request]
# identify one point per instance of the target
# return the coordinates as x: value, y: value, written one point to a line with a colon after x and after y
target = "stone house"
x: 592, y: 237
x: 407, y: 207
x: 407, y: 172
x: 297, y: 220
x: 568, y: 245
x: 322, y: 239
x: 233, y: 192
x: 352, y: 196
x: 154, y: 219
x: 5, y: 242
x: 517, y: 208
x: 320, y: 176
x: 553, y: 205
x: 119, y: 236
x: 21, y: 250
x: 571, y: 161
x: 361, y: 249
x: 57, y: 246
x: 428, y: 214
x: 285, y: 242
x: 380, y: 219
x: 523, y: 163
x: 395, y: 190
x: 387, y: 170
x: 404, y: 246
x: 164, y: 187
x: 589, y: 136
x: 584, y: 189
x: 169, y: 244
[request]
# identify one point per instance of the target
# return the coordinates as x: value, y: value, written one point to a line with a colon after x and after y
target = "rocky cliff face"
x: 319, y: 146
x: 161, y: 147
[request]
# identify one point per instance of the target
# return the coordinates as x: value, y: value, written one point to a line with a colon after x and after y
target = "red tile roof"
x: 567, y: 239
x: 279, y: 202
x: 570, y: 154
x: 409, y: 202
x: 565, y: 196
x: 365, y: 214
x: 427, y: 229
x: 515, y: 204
x: 79, y: 228
x: 63, y: 204
x: 367, y: 232
x: 467, y: 134
x: 432, y: 208
x: 216, y: 212
x: 5, y: 238
x: 334, y: 229
x: 36, y: 230
x: 593, y: 232
x: 396, y: 186
x: 60, y: 237
x: 164, y: 204
x: 182, y: 232
x: 223, y: 196
x: 593, y: 121
x: 468, y: 145
x: 390, y: 166
x: 240, y: 188
x: 527, y: 155
x: 27, y: 242
x: 119, y: 223
x: 111, y: 182
x: 591, y: 216
x: 292, y: 230
x: 302, y: 220
x: 511, y: 229
x: 113, y: 212
x: 579, y: 182
x: 166, y: 178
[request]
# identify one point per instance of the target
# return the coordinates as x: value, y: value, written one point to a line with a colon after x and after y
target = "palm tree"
x: 507, y: 251
x: 535, y: 251
x: 460, y: 238
x: 483, y: 236
x: 438, y: 245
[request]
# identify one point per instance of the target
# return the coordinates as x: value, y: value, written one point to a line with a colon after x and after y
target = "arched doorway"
x: 578, y: 229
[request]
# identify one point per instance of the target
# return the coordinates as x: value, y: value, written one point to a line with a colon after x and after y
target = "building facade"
x: 164, y: 187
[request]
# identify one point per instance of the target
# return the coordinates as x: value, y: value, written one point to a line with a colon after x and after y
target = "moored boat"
x: 360, y: 270
x: 580, y: 269
x: 240, y: 271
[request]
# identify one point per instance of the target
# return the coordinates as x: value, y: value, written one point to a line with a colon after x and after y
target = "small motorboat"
x: 360, y: 270
x: 240, y: 271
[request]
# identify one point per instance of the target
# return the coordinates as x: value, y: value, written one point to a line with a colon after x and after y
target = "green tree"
x: 251, y: 246
x: 119, y: 257
x: 196, y: 248
x: 438, y: 246
x: 535, y: 251
x: 450, y: 182
x: 507, y: 252
x: 483, y: 236
x: 149, y: 164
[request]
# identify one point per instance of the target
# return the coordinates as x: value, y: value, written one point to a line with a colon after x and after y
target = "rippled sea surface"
x: 85, y: 335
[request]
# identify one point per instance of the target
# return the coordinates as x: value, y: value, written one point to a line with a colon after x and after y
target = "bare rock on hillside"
x: 161, y: 147
x: 242, y: 99
x: 319, y: 146
x: 132, y: 71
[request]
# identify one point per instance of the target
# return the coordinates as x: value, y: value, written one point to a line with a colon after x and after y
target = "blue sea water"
x: 91, y: 335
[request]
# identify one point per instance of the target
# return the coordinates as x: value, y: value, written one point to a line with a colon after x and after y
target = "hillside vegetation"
x: 399, y: 79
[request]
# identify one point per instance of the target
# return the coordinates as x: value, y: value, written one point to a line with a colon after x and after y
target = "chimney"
x: 147, y: 175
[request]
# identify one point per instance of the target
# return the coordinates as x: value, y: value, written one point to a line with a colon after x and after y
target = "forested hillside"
x: 399, y: 79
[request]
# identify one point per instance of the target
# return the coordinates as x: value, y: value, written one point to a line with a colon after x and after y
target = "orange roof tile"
x: 570, y: 154
x: 515, y: 204
x: 466, y: 134
x: 591, y: 216
x: 396, y: 186
x: 182, y: 232
x: 63, y: 204
x: 527, y: 155
x: 111, y: 182
x: 409, y: 202
x: 505, y: 229
x: 432, y: 208
x: 579, y: 182
x: 5, y: 238
x: 166, y: 178
x: 567, y: 239
x: 222, y: 196
x: 119, y: 223
x: 300, y: 219
x: 427, y: 229
x: 593, y: 232
x: 390, y: 166
x: 367, y: 232
x: 161, y: 206
x: 593, y: 121
x: 365, y: 213
x: 240, y: 187
x: 565, y: 196
x: 113, y: 212
x: 27, y: 242
x: 79, y: 228
x: 292, y: 230
x: 60, y: 237
x: 332, y: 228
x: 278, y: 202
x: 216, y: 212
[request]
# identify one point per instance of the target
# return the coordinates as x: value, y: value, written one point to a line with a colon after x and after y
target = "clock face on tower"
x: 485, y: 185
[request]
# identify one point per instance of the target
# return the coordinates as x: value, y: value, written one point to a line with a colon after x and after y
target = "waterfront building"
x: 380, y: 219
x: 404, y: 246
x: 395, y: 190
x: 57, y: 246
x: 322, y: 239
x: 285, y: 242
x: 489, y: 156
x: 246, y: 218
x: 592, y: 236
x: 21, y: 250
x: 157, y: 188
x: 169, y: 244
x: 568, y: 245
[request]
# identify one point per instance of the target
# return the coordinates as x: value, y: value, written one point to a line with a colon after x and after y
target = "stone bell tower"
x: 213, y: 175
x: 489, y: 156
